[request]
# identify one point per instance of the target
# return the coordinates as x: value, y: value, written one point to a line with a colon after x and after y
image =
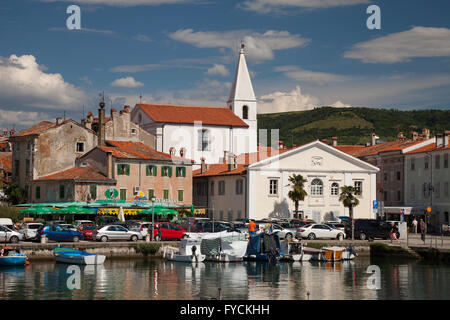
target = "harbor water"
x: 158, y: 279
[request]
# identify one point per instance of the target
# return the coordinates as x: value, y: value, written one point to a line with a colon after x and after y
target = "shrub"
x: 147, y: 248
x: 317, y: 245
x: 7, y: 211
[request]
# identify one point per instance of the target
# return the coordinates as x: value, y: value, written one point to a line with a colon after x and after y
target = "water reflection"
x: 155, y: 279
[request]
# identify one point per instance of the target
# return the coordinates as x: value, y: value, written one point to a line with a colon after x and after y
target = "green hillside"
x: 351, y: 125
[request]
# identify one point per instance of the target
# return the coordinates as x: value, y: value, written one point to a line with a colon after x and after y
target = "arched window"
x: 334, y: 189
x: 317, y: 187
x: 244, y: 112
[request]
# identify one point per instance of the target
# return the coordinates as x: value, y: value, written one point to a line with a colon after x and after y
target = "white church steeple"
x: 242, y: 102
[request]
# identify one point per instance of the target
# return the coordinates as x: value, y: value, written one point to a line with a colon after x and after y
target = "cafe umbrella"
x: 74, y: 210
x: 38, y: 210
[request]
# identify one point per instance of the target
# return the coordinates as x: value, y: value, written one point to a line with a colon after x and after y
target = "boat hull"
x: 80, y: 259
x: 13, y: 261
x: 224, y: 258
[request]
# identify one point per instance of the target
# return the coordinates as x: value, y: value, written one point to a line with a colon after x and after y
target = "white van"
x: 7, y: 222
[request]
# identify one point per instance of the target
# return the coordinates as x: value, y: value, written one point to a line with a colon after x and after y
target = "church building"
x: 214, y: 134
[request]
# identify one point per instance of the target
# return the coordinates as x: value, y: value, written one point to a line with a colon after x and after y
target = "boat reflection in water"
x: 158, y: 279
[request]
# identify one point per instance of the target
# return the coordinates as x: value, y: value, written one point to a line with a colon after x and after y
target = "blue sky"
x: 301, y: 54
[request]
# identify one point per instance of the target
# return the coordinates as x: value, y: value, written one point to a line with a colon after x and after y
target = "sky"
x: 301, y: 54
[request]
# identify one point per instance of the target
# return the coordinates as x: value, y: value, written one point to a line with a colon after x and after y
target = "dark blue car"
x: 59, y: 233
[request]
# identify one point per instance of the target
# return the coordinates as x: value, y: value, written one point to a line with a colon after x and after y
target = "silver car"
x: 8, y: 235
x: 283, y: 233
x: 116, y: 232
x: 29, y: 230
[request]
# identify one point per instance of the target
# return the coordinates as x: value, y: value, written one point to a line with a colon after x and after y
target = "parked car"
x: 138, y: 227
x: 8, y: 235
x: 219, y: 226
x: 58, y: 233
x: 78, y: 223
x: 168, y: 230
x: 319, y: 231
x: 86, y: 230
x: 336, y: 225
x: 285, y: 231
x: 115, y: 232
x: 369, y: 229
x: 29, y: 230
x: 7, y: 222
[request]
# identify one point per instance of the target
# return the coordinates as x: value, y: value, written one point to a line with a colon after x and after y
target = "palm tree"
x: 297, y: 193
x: 349, y: 200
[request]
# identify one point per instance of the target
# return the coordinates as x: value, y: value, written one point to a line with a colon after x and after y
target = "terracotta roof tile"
x: 77, y: 173
x: 221, y: 116
x: 36, y: 129
x: 428, y: 148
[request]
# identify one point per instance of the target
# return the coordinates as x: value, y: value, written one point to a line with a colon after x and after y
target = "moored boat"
x: 293, y: 251
x: 11, y: 257
x: 264, y: 247
x: 73, y: 256
x: 187, y: 252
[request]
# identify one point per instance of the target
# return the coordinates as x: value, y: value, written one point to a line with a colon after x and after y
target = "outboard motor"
x: 193, y: 249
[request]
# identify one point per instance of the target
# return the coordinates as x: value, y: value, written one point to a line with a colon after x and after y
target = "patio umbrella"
x: 73, y: 209
x: 159, y: 210
x: 38, y: 210
x: 121, y: 216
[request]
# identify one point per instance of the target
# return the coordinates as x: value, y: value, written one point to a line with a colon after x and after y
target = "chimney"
x: 109, y: 165
x: 324, y: 141
x: 234, y: 166
x: 12, y: 132
x: 280, y: 145
x: 367, y: 144
x: 373, y: 139
x: 203, y: 165
x: 334, y: 141
x: 113, y: 113
x: 59, y: 121
x: 426, y: 133
x: 400, y: 136
x: 414, y: 135
x: 439, y: 140
x: 445, y: 140
x: 225, y: 153
x: 5, y: 132
x: 127, y: 109
x: 101, y: 124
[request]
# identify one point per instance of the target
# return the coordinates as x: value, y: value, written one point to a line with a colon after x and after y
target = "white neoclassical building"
x: 197, y: 132
x: 259, y: 188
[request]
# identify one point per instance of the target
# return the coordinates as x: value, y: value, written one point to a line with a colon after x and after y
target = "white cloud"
x: 142, y: 38
x: 266, y: 6
x: 258, y: 46
x: 294, y: 100
x: 302, y: 75
x: 135, y: 68
x: 23, y: 83
x: 127, y: 82
x: 124, y: 3
x: 86, y: 79
x: 218, y: 69
x: 85, y: 30
x: 402, y: 46
x: 21, y: 118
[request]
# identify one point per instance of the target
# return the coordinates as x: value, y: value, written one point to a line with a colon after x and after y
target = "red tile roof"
x: 6, y: 161
x: 136, y: 150
x: 77, y: 173
x: 221, y: 116
x: 428, y: 148
x: 36, y: 129
x: 362, y: 151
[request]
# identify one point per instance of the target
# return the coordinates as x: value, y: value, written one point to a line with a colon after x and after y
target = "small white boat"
x: 294, y: 252
x: 189, y: 251
x: 73, y: 256
x: 347, y: 253
x: 221, y: 246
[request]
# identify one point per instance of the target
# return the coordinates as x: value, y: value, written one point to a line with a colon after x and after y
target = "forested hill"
x: 351, y: 125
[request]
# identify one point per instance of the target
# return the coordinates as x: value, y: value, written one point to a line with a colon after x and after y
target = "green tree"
x: 15, y: 194
x: 297, y: 192
x: 349, y: 200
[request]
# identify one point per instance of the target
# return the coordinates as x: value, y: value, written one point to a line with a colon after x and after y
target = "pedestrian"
x: 251, y: 228
x: 422, y: 229
x: 414, y: 225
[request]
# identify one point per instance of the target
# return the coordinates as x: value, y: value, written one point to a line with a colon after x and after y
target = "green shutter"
x: 147, y: 170
x: 166, y: 194
x: 177, y: 170
x: 151, y: 193
x: 184, y: 171
x: 170, y: 171
x: 127, y: 169
x: 118, y: 169
x: 162, y: 171
x: 180, y: 195
x: 155, y: 171
x: 123, y: 194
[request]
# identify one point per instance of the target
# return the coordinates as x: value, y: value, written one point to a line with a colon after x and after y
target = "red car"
x: 86, y: 230
x: 167, y: 230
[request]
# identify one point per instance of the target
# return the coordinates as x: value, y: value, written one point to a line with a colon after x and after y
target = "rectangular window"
x: 212, y: 188
x: 398, y: 175
x: 426, y: 163
x: 446, y: 161
x: 166, y: 194
x: 17, y: 144
x: 203, y: 140
x: 27, y: 167
x: 166, y: 171
x: 385, y: 196
x: 239, y: 186
x: 273, y: 187
x: 437, y: 189
x: 358, y: 187
x: 221, y: 215
x: 62, y: 191
x: 446, y: 218
x: 123, y: 194
x: 385, y: 176
x: 16, y: 167
x: 437, y: 160
x: 412, y: 191
x: 221, y: 188
x: 123, y: 169
x: 413, y: 164
x: 151, y: 194
x: 180, y: 171
x: 151, y: 170
x: 446, y: 189
x: 399, y: 195
x: 180, y: 195
x: 230, y: 215
x: 93, y: 191
x: 80, y: 146
x: 28, y: 145
x: 38, y: 193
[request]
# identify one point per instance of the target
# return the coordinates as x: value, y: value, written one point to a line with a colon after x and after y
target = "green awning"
x: 159, y: 210
x: 75, y: 210
x: 39, y: 210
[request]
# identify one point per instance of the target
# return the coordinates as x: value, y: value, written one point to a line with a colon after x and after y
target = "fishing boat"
x: 223, y: 246
x: 11, y: 257
x: 73, y: 256
x: 264, y: 247
x: 293, y: 252
x: 188, y: 251
x: 347, y: 253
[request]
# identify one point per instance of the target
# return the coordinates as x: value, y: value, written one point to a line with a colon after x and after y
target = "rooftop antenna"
x: 102, y: 102
x: 64, y: 115
x: 140, y: 97
x: 83, y: 111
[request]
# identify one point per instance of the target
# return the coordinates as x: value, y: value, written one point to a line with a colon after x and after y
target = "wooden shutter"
x: 155, y: 171
x: 127, y: 170
x: 147, y: 170
x: 184, y: 171
x: 118, y: 169
x: 170, y: 171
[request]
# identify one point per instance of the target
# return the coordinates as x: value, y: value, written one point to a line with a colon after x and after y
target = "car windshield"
x: 88, y: 227
x: 34, y: 226
x: 64, y: 228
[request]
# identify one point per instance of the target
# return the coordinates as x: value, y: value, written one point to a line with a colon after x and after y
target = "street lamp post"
x: 153, y: 218
x: 352, y: 202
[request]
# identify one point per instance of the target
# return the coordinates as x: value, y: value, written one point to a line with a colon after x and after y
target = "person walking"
x: 422, y: 229
x: 251, y: 228
x: 414, y: 225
